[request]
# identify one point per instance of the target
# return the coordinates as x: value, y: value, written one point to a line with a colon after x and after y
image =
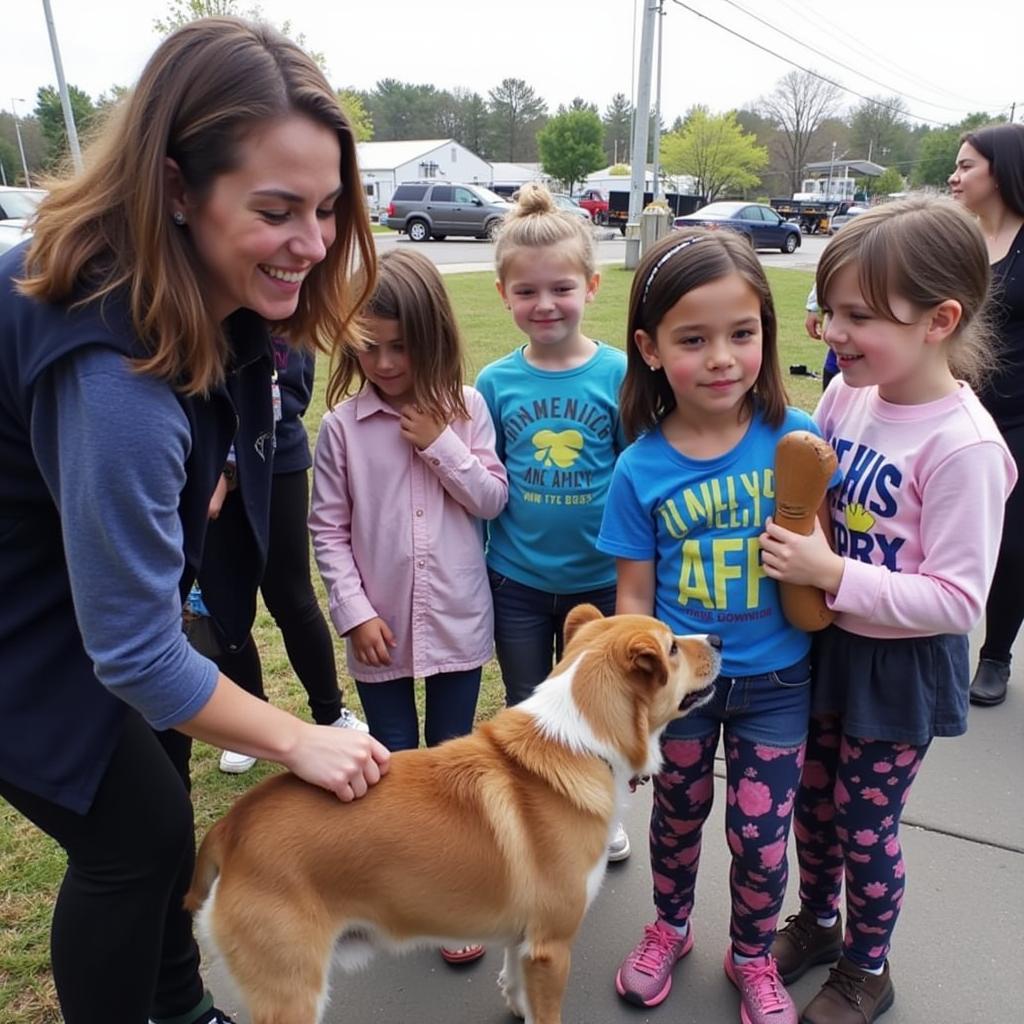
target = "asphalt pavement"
x: 957, y: 947
x: 458, y: 255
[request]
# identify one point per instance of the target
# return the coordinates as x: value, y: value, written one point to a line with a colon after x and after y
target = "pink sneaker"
x: 763, y: 997
x: 645, y: 976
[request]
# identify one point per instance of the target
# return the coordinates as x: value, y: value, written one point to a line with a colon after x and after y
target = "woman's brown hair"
x: 925, y: 251
x: 410, y: 291
x: 109, y: 230
x: 676, y: 265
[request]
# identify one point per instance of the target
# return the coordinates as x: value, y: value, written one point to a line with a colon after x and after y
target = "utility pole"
x: 657, y: 106
x: 21, y: 146
x: 641, y: 123
x: 65, y: 100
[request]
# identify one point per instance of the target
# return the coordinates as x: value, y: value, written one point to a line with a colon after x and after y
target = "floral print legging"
x: 761, y: 786
x: 847, y: 818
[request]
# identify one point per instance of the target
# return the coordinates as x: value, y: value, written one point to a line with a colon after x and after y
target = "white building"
x: 608, y: 182
x: 385, y: 165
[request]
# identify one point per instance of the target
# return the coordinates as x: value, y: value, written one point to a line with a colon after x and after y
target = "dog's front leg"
x: 510, y: 981
x: 545, y: 973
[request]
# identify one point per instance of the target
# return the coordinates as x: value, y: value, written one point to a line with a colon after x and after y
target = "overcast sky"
x: 944, y: 58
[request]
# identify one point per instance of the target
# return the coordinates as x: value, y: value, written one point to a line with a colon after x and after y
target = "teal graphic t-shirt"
x: 558, y: 433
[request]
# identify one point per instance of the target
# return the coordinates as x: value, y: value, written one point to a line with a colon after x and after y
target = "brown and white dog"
x: 495, y: 837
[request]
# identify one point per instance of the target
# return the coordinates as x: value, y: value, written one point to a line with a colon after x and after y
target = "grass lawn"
x: 31, y: 865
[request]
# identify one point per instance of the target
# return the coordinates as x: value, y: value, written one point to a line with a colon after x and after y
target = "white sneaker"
x: 347, y: 720
x: 618, y: 848
x: 235, y: 764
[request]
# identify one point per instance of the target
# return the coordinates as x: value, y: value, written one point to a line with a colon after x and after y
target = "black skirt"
x: 905, y: 690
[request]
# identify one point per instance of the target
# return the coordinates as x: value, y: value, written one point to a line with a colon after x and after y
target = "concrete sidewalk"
x: 956, y: 951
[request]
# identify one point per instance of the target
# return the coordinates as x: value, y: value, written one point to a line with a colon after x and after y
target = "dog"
x: 495, y: 837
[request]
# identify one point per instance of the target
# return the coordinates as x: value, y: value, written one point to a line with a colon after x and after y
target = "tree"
x: 515, y: 112
x: 570, y: 145
x: 10, y: 162
x: 462, y: 115
x: 51, y: 119
x: 890, y: 180
x: 879, y: 128
x: 355, y: 110
x: 800, y: 103
x: 401, y: 110
x: 714, y: 151
x: 618, y: 121
x: 181, y: 12
x: 937, y: 153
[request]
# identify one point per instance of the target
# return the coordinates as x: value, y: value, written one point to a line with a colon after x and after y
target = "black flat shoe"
x: 988, y: 687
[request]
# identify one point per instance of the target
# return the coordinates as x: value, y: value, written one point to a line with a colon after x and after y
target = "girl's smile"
x: 709, y: 347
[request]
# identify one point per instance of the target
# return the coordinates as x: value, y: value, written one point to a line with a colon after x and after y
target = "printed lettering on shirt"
x: 717, y: 523
x: 556, y: 476
x: 868, y: 496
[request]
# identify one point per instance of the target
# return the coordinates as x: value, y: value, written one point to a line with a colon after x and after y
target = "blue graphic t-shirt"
x: 558, y: 433
x: 699, y: 521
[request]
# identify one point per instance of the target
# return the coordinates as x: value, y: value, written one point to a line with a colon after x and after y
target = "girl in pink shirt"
x: 404, y: 473
x: 916, y: 525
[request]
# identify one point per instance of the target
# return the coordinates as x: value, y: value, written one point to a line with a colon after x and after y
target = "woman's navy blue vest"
x: 58, y: 724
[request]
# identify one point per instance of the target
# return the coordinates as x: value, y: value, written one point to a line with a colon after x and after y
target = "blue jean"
x: 528, y: 630
x: 773, y: 708
x: 390, y: 708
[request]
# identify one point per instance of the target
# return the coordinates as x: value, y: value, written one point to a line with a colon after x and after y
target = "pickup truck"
x: 594, y: 201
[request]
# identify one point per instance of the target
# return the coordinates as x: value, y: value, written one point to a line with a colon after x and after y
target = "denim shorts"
x: 773, y: 708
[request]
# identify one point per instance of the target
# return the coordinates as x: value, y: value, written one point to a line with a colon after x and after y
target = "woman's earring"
x: 652, y: 367
x: 179, y: 218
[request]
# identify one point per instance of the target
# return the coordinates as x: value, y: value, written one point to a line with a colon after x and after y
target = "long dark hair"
x: 1002, y: 145
x: 667, y: 272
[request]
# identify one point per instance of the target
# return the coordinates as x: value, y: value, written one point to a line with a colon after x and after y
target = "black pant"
x: 1004, y: 610
x: 287, y: 589
x: 121, y: 943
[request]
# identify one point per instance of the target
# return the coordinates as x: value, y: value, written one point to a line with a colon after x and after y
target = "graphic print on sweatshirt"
x: 865, y: 504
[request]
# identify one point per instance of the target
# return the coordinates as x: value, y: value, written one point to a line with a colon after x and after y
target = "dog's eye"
x: 673, y: 648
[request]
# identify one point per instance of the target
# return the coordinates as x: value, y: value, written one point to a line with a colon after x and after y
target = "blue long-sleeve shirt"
x: 111, y: 444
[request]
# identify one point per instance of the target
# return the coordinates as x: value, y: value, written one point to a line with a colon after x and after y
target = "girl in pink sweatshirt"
x: 916, y: 524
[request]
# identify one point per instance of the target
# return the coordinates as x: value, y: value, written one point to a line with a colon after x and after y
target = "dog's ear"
x: 645, y: 654
x: 580, y: 615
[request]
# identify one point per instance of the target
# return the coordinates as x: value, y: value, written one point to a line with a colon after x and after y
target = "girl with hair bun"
x: 554, y: 401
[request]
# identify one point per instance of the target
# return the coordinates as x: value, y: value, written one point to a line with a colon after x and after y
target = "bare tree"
x: 798, y: 106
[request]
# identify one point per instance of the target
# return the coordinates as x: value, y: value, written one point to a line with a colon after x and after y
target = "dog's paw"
x: 638, y: 780
x: 513, y: 995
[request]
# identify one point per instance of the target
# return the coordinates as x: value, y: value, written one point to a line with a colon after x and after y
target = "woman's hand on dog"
x: 344, y: 761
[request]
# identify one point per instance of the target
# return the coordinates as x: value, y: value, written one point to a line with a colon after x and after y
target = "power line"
x: 846, y: 67
x: 806, y: 70
x: 860, y: 48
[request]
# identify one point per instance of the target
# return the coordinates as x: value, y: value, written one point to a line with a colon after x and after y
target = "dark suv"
x: 434, y: 209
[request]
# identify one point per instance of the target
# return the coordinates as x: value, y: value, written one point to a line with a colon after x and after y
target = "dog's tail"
x: 207, y: 868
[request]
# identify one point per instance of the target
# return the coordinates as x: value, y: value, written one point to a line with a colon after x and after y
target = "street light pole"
x: 65, y: 100
x: 828, y: 188
x: 21, y: 146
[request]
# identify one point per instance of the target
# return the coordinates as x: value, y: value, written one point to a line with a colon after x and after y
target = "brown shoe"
x: 803, y: 942
x: 850, y: 996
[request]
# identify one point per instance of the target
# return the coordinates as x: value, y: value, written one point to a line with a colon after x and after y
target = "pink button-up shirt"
x: 397, y: 533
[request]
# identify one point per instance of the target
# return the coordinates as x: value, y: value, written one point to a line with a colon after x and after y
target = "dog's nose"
x: 714, y: 640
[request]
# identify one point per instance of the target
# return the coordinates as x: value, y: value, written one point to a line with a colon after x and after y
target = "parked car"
x: 564, y: 202
x: 759, y: 224
x: 19, y: 203
x: 844, y: 218
x: 595, y: 202
x: 434, y: 209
